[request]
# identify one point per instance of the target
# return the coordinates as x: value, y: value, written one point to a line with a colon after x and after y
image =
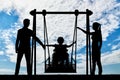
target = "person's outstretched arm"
x: 37, y: 39
x: 51, y: 45
x: 71, y: 44
x: 40, y: 42
x: 84, y: 31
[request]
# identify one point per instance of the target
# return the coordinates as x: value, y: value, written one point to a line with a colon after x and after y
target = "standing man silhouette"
x: 22, y: 46
x: 96, y: 47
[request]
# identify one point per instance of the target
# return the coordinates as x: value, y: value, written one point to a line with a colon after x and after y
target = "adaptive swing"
x: 49, y: 67
x: 60, y: 52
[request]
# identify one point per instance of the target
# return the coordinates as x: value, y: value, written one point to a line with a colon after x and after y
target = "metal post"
x: 33, y: 13
x: 87, y: 44
x: 76, y: 14
x: 88, y: 40
x: 44, y: 13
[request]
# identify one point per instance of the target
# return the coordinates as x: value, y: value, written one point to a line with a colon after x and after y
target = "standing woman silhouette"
x: 96, y: 47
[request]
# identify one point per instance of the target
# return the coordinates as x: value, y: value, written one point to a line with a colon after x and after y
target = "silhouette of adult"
x: 22, y: 46
x: 96, y: 47
x: 60, y: 55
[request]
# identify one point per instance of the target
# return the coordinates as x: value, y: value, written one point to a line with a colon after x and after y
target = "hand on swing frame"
x: 74, y: 42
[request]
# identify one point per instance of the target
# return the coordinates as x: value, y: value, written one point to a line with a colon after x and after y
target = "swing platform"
x: 60, y: 68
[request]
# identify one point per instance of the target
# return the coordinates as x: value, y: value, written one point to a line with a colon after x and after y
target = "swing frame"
x: 76, y: 12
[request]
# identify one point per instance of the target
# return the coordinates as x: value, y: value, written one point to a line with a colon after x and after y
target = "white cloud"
x: 115, y: 46
x: 111, y: 57
x: 118, y: 39
x: 5, y: 71
x: 1, y: 52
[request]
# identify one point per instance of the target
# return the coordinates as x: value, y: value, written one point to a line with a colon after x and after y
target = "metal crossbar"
x: 33, y: 12
x: 61, y: 12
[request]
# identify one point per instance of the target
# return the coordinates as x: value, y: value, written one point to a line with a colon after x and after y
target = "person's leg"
x: 54, y: 60
x: 61, y: 59
x: 19, y: 57
x: 67, y: 59
x: 93, y: 67
x: 93, y: 63
x: 29, y: 67
x: 99, y: 66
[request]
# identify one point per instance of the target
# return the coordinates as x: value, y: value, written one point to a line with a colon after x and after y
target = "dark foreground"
x: 60, y: 77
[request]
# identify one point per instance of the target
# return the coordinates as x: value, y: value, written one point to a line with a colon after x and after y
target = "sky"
x: 106, y: 12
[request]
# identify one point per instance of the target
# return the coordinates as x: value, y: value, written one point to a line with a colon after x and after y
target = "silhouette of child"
x: 60, y: 52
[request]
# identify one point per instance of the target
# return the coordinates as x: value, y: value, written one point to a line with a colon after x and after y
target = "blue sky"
x: 11, y: 17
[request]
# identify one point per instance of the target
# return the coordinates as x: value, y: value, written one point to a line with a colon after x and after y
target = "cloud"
x: 111, y: 57
x: 1, y: 52
x: 118, y: 39
x: 6, y: 71
x: 116, y: 46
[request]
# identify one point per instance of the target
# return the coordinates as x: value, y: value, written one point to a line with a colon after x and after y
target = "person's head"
x: 26, y: 22
x: 60, y: 40
x: 96, y: 26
